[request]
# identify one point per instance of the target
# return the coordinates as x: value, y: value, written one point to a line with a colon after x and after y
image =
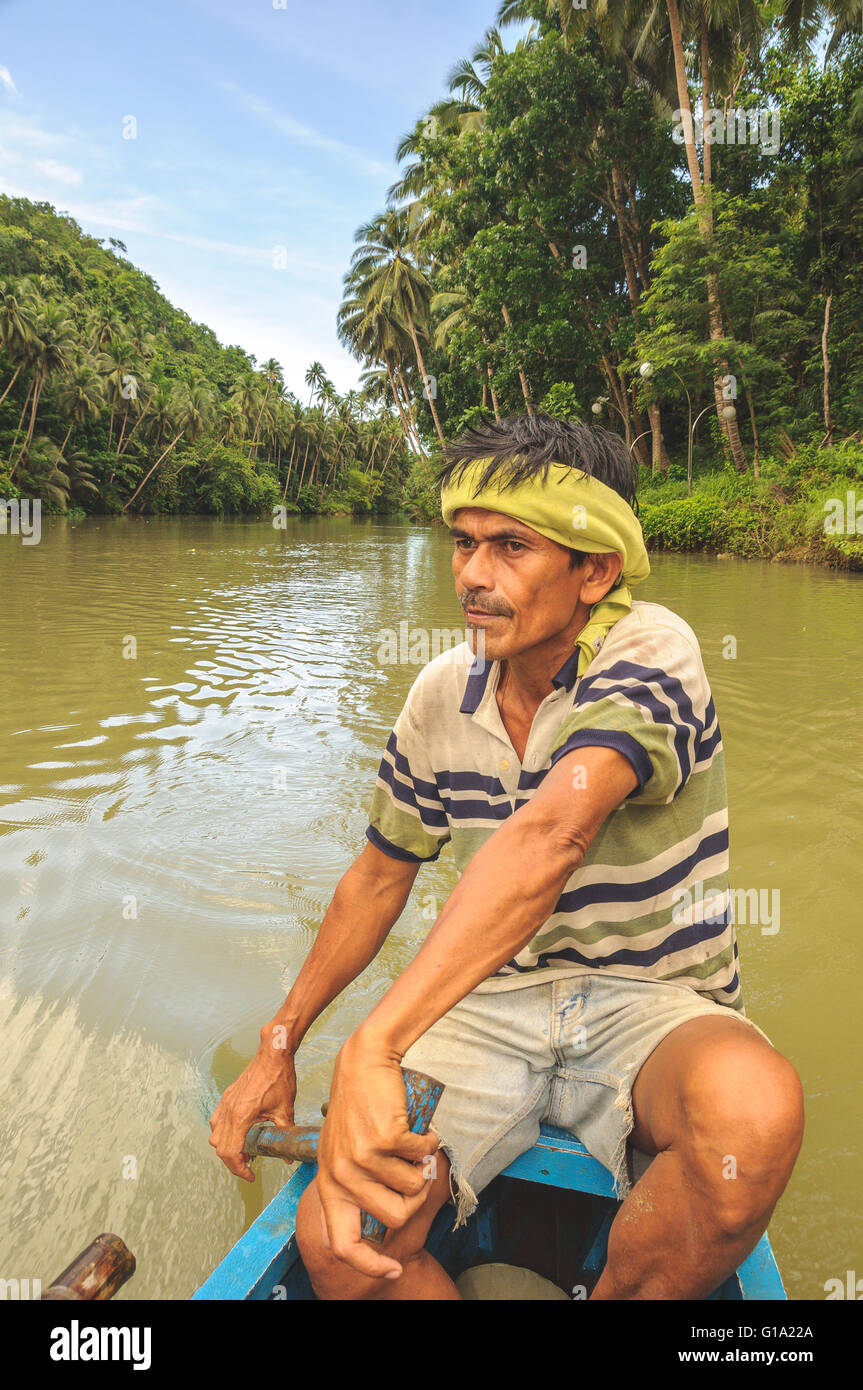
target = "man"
x: 584, y: 969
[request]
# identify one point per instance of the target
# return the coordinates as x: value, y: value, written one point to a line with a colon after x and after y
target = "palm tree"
x: 51, y: 351
x: 315, y: 378
x: 192, y: 409
x: 118, y: 362
x: 81, y: 394
x: 272, y: 373
x: 245, y: 395
x: 385, y: 270
x: 17, y: 325
x: 373, y: 333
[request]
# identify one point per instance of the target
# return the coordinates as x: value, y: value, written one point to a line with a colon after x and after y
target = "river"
x: 191, y: 719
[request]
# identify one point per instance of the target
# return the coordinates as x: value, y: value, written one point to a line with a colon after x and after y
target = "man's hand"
x: 368, y: 1158
x: 266, y: 1090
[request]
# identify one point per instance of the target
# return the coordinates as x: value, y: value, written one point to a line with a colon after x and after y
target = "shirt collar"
x: 479, y: 673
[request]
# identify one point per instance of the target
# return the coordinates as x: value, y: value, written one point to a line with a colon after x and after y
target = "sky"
x: 233, y: 146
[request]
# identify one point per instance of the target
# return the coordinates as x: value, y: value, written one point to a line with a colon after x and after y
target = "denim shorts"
x: 565, y: 1051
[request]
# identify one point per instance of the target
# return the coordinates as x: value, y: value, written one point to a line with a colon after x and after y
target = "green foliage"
x: 780, y: 515
x: 232, y: 484
x: 561, y: 401
x: 421, y: 494
x: 115, y: 401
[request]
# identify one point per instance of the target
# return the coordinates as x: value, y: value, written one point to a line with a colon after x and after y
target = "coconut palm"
x: 50, y: 351
x: 81, y: 395
x: 315, y: 378
x: 373, y: 333
x: 17, y: 325
x: 272, y: 374
x: 192, y: 410
x: 246, y: 396
x: 385, y: 270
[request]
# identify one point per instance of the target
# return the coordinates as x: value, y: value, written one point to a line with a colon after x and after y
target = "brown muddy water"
x: 191, y: 717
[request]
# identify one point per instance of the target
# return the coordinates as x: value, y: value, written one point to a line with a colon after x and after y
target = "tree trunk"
x: 494, y: 400
x: 706, y: 151
x: 659, y: 457
x: 305, y: 460
x: 258, y: 421
x: 132, y: 430
x: 11, y: 384
x: 163, y: 455
x: 123, y: 429
x: 38, y: 383
x: 408, y: 404
x: 423, y: 373
x: 525, y: 390
x: 828, y: 423
x: 398, y: 400
x: 18, y: 427
x: 290, y: 466
x: 66, y: 440
x: 717, y: 332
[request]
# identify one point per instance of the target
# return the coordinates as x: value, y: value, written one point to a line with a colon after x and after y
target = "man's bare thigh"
x: 682, y: 1056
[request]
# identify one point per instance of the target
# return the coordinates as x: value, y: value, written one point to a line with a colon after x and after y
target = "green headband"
x: 575, y: 510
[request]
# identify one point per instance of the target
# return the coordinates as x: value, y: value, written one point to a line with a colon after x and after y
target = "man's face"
x: 516, y: 586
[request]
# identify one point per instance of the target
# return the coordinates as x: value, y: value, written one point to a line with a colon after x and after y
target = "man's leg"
x: 492, y: 1054
x: 423, y: 1277
x: 723, y: 1112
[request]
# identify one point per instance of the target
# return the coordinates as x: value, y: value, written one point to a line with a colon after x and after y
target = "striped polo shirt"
x: 650, y: 900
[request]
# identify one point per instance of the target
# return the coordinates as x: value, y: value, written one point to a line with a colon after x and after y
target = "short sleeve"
x: 652, y: 703
x: 407, y: 818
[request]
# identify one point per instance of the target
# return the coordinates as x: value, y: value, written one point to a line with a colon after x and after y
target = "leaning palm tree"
x: 81, y: 395
x: 192, y: 410
x: 272, y: 374
x: 17, y: 325
x: 51, y: 351
x: 374, y: 334
x: 385, y: 270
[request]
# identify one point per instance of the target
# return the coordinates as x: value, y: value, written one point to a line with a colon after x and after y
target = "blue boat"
x: 549, y: 1211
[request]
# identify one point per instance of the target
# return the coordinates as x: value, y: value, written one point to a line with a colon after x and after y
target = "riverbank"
x: 806, y: 509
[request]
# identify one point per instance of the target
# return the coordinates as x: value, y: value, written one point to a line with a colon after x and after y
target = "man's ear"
x: 598, y: 576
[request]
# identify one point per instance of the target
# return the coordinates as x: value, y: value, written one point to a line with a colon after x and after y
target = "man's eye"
x: 519, y: 545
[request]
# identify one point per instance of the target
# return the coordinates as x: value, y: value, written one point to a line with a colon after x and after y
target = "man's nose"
x: 476, y: 573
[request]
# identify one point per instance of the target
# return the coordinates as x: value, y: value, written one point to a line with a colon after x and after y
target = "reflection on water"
x: 192, y: 715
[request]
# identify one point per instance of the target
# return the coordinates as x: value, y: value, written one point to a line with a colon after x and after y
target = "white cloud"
x: 7, y: 83
x: 303, y: 135
x: 60, y: 173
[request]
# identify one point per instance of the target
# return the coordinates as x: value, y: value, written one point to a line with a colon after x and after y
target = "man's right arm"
x: 367, y: 903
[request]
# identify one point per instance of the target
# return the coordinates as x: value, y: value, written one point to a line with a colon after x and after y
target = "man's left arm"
x: 508, y: 890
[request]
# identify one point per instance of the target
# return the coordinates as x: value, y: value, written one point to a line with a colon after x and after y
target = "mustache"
x: 467, y: 601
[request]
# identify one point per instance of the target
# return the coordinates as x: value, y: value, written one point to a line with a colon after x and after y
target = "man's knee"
x: 741, y: 1114
x: 330, y: 1277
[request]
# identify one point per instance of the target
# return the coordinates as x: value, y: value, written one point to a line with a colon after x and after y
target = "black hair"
x: 522, y: 447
